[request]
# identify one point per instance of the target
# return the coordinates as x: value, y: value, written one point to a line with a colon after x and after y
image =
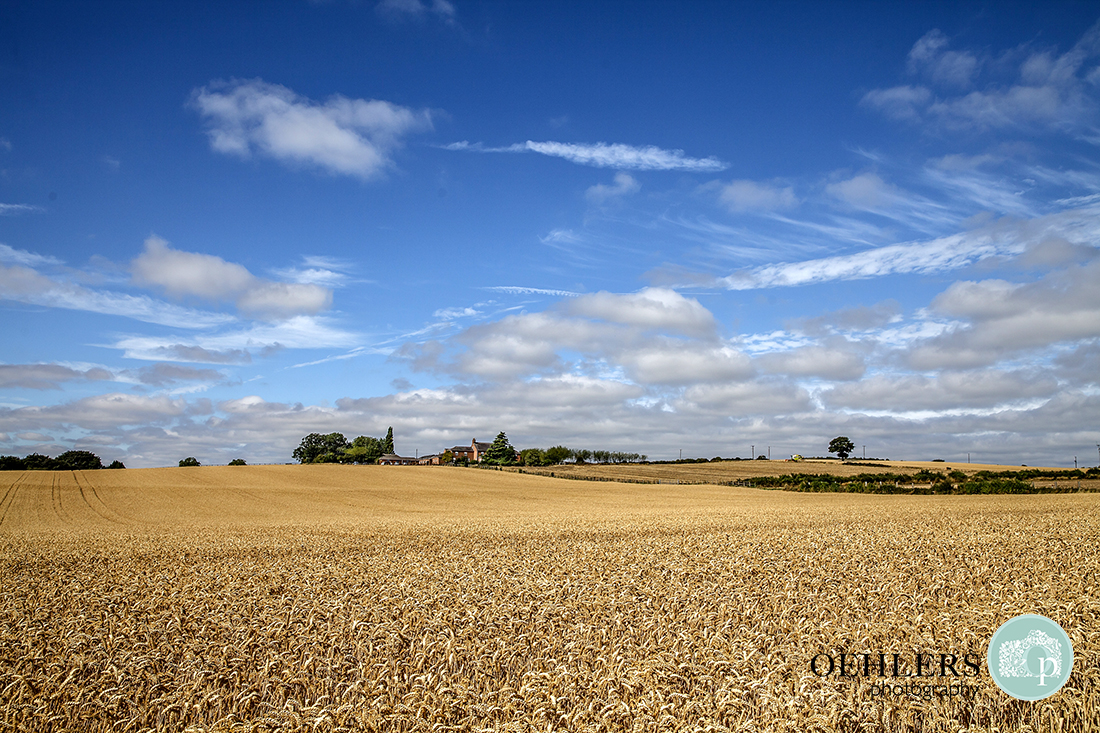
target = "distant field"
x: 718, y: 471
x: 726, y: 471
x: 330, y: 598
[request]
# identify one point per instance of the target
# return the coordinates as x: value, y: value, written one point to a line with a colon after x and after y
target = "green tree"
x: 318, y: 448
x: 557, y: 454
x: 39, y: 462
x: 117, y: 464
x: 387, y: 443
x: 364, y: 449
x: 842, y: 446
x: 79, y: 460
x: 189, y: 461
x: 531, y: 457
x: 447, y: 457
x: 237, y: 462
x: 501, y: 452
x: 12, y: 463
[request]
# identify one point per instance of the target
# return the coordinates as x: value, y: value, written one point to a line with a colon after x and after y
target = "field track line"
x: 59, y: 508
x: 81, y: 479
x: 55, y: 495
x: 9, y: 495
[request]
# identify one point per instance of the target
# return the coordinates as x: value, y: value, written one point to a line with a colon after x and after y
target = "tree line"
x: 561, y: 454
x: 73, y: 460
x: 335, y: 448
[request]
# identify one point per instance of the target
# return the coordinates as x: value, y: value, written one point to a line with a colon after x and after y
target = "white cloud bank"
x: 354, y: 137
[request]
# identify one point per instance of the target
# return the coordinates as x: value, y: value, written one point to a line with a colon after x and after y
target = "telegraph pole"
x: 753, y: 455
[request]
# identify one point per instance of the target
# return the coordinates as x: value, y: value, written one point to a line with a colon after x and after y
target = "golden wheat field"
x: 342, y: 598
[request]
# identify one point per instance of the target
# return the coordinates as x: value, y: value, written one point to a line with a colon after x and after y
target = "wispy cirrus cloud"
x: 16, y: 209
x: 354, y: 137
x: 23, y: 257
x: 520, y: 290
x: 1000, y: 238
x: 236, y: 346
x: 416, y: 9
x: 606, y: 155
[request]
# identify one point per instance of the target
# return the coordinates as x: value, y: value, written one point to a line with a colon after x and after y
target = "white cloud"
x: 46, y: 376
x: 561, y: 236
x: 743, y: 195
x: 825, y: 362
x: 29, y: 259
x: 605, y: 155
x: 111, y: 410
x: 999, y: 238
x: 16, y: 209
x: 747, y: 399
x: 1051, y: 91
x: 865, y: 191
x: 189, y: 353
x: 25, y: 285
x: 520, y: 290
x: 930, y: 57
x: 190, y: 274
x: 449, y: 314
x: 343, y: 136
x: 987, y: 388
x: 900, y: 103
x: 299, y: 332
x: 650, y: 308
x: 624, y: 185
x: 1000, y: 318
x: 858, y: 318
x: 663, y: 361
x: 417, y: 9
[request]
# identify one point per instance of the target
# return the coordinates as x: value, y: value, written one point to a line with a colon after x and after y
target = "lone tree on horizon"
x: 387, y: 444
x: 842, y: 446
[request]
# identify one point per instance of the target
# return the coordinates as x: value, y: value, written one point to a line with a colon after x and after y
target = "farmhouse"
x: 472, y: 452
x: 480, y: 449
x: 391, y: 459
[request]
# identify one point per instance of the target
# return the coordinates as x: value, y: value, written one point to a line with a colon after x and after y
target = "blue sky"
x: 649, y: 227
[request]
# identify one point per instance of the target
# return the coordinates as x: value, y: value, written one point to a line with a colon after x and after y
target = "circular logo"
x: 1030, y: 657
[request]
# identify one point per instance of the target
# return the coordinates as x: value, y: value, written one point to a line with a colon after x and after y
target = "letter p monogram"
x: 1043, y: 673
